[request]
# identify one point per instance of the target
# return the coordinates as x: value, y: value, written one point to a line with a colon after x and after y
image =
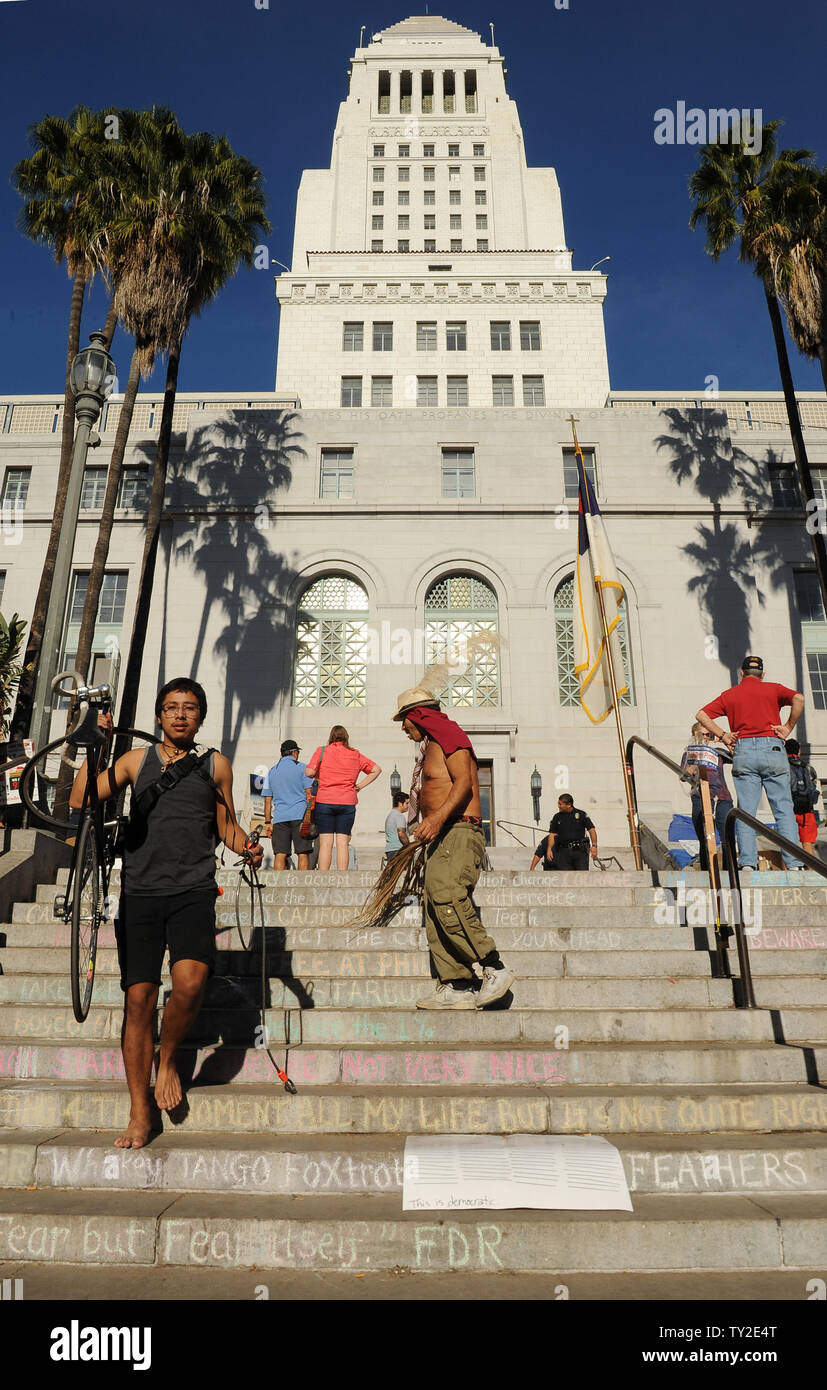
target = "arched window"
x: 331, y: 643
x: 567, y: 683
x: 456, y: 608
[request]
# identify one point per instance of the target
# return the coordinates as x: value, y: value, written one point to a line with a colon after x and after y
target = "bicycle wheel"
x: 249, y: 910
x: 38, y: 796
x: 87, y: 913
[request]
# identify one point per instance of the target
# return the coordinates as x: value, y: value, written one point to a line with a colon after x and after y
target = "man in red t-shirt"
x: 756, y: 735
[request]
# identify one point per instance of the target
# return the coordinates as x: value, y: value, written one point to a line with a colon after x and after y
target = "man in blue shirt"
x: 286, y: 792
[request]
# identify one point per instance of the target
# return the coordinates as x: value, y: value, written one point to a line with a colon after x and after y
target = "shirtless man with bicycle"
x: 168, y: 890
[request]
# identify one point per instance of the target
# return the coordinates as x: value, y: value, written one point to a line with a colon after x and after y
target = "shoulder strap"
x: 171, y: 776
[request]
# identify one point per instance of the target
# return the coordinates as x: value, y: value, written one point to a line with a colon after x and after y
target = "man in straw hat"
x: 445, y: 792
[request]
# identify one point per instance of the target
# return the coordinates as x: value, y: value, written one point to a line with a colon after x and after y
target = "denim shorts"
x: 334, y: 820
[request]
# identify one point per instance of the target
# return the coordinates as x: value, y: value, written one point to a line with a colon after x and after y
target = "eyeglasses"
x: 180, y: 709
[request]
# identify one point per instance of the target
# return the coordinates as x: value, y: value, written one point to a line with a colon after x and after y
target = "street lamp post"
x: 536, y: 793
x: 92, y: 377
x: 396, y: 781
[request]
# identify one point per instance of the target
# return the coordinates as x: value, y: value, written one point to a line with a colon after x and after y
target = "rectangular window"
x: 456, y: 221
x: 479, y: 151
x: 480, y: 197
x: 378, y: 176
x: 426, y: 392
x: 426, y: 337
x: 353, y: 337
x: 430, y: 198
x: 336, y: 477
x: 427, y: 151
x: 376, y: 245
x: 454, y: 197
x: 479, y: 173
x: 784, y: 483
x: 500, y: 336
x: 378, y: 198
x: 377, y: 222
x: 456, y: 244
x: 503, y: 390
x: 94, y: 489
x: 384, y: 93
x: 453, y: 173
x: 482, y: 221
x: 403, y: 198
x: 570, y: 471
x: 808, y: 596
x: 381, y: 390
x: 2, y: 584
x: 404, y: 151
x: 533, y: 390
x: 458, y: 473
x: 530, y: 336
x: 403, y: 174
x: 453, y: 151
x: 112, y: 597
x: 379, y: 151
x: 16, y: 487
x: 429, y: 173
x: 457, y: 390
x: 383, y: 337
x: 817, y: 667
x: 403, y: 245
x: 819, y: 477
x: 456, y: 337
x: 430, y: 221
x: 351, y: 390
x: 134, y: 489
x: 430, y: 245
x: 482, y: 243
x: 403, y: 222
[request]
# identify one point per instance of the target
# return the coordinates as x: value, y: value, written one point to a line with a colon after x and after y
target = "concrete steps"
x: 618, y: 1026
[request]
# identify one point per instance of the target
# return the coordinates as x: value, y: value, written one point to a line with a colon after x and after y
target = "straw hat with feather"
x: 409, y: 699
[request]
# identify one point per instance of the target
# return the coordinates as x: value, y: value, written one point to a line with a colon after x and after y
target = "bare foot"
x: 168, y: 1092
x: 136, y: 1134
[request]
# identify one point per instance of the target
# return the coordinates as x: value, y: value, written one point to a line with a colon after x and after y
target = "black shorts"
x: 334, y: 820
x: 145, y: 927
x: 286, y: 838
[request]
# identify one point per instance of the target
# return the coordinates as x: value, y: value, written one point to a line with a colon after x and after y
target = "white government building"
x: 411, y: 480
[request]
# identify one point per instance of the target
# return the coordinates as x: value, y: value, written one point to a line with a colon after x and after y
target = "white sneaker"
x: 446, y: 997
x: 495, y: 983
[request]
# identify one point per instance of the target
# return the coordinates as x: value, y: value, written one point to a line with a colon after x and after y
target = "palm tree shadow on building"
x: 732, y: 564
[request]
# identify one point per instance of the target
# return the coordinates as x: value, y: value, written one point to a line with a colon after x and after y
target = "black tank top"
x: 172, y: 849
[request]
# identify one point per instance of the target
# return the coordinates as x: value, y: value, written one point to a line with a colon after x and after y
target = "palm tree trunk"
x: 25, y: 691
x: 821, y: 353
x: 113, y: 483
x: 799, y: 448
x: 132, y: 675
x: 111, y: 323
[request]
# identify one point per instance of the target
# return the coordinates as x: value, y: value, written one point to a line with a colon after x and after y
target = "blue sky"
x: 587, y: 81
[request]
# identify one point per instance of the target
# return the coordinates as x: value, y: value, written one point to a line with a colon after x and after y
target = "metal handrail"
x: 504, y: 824
x: 720, y: 937
x: 731, y: 853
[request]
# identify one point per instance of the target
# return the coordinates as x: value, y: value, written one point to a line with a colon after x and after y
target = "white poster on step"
x: 494, y: 1172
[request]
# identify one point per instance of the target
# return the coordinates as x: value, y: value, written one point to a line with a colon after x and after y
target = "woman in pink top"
x: 341, y: 765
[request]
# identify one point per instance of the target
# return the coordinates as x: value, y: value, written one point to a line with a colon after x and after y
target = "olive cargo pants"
x: 456, y: 937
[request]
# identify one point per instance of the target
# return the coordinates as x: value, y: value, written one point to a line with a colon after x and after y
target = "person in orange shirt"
x: 338, y: 768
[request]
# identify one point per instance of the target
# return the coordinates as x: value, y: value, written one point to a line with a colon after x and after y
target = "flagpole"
x: 627, y: 781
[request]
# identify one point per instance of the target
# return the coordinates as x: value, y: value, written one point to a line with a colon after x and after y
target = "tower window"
x: 479, y: 150
x: 404, y: 174
x: 383, y: 337
x: 426, y: 390
x: 533, y: 390
x: 479, y: 173
x: 353, y: 337
x: 378, y: 197
x: 381, y: 390
x: 456, y: 337
x: 500, y: 336
x: 404, y: 151
x: 384, y: 93
x: 426, y: 337
x: 480, y: 197
x: 448, y: 91
x: 429, y: 173
x: 403, y: 198
x: 428, y: 151
x: 379, y: 151
x: 454, y: 197
x: 471, y: 93
x: 453, y: 151
x: 503, y: 390
x: 351, y: 390
x: 530, y: 336
x: 457, y: 390
x: 378, y: 175
x: 427, y: 96
x: 405, y: 90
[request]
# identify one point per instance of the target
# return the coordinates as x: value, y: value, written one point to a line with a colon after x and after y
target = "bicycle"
x: 85, y: 904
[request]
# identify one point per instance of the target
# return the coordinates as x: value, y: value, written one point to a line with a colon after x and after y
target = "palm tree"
x: 60, y: 182
x: 794, y: 242
x: 199, y: 216
x: 11, y: 671
x: 736, y: 192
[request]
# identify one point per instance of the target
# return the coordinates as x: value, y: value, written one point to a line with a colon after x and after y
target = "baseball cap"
x: 752, y: 663
x: 289, y: 746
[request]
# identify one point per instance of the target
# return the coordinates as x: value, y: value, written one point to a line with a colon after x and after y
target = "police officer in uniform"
x: 567, y: 843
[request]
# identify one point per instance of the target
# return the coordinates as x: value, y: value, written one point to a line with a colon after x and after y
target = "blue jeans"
x: 720, y: 813
x: 761, y: 764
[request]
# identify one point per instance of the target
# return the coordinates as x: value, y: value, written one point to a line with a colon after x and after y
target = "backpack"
x: 804, y: 788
